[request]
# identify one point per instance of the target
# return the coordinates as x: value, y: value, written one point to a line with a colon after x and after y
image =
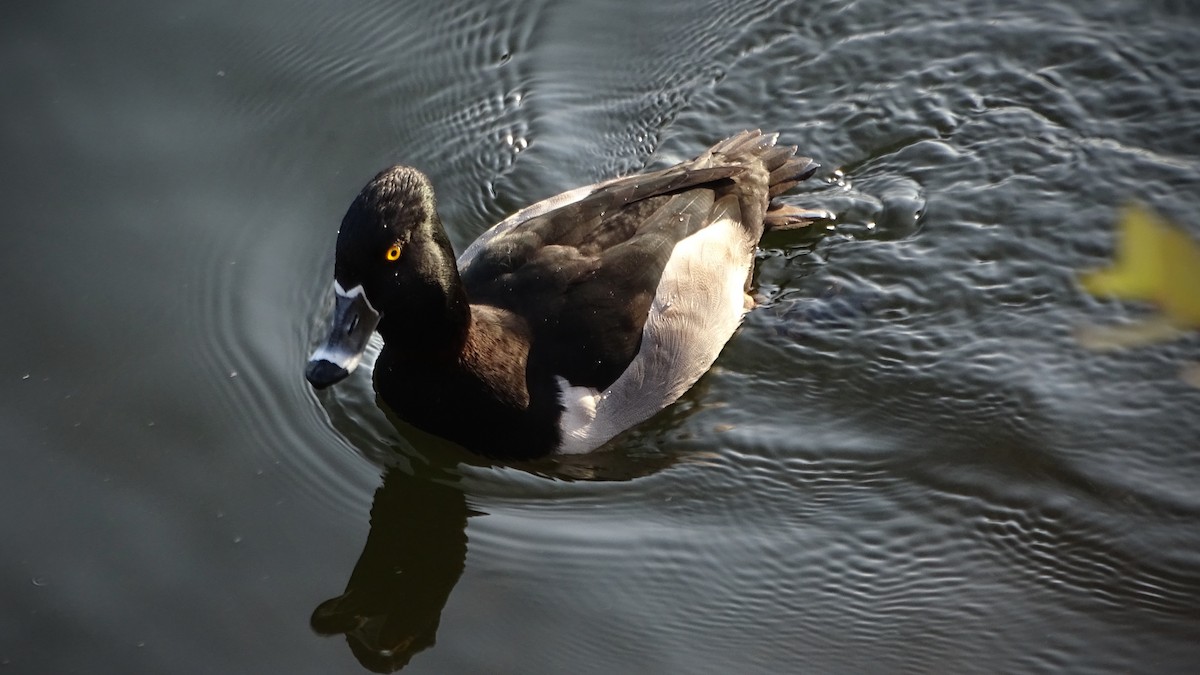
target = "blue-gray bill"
x: 354, y: 319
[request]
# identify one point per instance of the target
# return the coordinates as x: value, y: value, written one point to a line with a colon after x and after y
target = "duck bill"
x: 354, y: 319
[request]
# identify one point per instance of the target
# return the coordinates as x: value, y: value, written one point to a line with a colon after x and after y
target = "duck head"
x: 393, y: 271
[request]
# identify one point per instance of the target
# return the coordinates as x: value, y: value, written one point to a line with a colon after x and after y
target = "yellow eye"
x: 393, y: 253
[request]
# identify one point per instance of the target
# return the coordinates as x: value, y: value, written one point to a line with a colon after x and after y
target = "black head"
x: 395, y: 208
x: 393, y: 269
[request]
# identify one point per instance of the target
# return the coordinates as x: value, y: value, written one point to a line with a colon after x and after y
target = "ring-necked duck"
x: 569, y: 321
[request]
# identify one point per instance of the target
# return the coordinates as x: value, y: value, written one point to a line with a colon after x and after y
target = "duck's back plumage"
x: 584, y: 273
x: 651, y: 265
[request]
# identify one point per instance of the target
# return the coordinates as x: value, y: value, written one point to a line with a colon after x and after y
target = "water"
x: 904, y: 462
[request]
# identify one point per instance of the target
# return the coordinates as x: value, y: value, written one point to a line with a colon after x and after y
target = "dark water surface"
x: 904, y: 461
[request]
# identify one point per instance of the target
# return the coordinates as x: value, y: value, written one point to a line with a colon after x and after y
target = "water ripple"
x: 902, y: 462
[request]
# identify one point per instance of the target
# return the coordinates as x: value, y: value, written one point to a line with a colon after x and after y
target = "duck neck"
x: 431, y: 315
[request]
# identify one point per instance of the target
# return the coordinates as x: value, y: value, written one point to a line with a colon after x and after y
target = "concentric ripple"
x: 903, y: 462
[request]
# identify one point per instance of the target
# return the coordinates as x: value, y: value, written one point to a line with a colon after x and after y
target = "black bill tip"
x: 321, y: 373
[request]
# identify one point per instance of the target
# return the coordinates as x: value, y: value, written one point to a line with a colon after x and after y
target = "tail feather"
x: 783, y: 168
x: 776, y: 157
x: 790, y: 173
x: 745, y: 143
x: 786, y: 217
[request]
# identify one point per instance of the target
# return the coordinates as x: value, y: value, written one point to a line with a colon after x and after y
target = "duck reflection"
x: 417, y: 547
x: 414, y: 555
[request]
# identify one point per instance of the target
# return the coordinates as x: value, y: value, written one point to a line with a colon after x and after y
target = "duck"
x: 568, y: 322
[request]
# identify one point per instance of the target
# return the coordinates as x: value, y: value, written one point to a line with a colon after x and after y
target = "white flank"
x: 699, y: 303
x: 579, y: 411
